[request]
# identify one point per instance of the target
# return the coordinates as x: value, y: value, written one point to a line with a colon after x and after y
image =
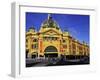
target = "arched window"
x: 34, y: 40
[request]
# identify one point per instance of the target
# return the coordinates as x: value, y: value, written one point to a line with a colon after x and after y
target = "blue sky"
x: 77, y: 25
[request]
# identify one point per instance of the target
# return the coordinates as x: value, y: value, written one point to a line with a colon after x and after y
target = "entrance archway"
x: 51, y: 51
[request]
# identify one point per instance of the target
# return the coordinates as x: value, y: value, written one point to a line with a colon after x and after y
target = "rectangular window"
x: 34, y: 46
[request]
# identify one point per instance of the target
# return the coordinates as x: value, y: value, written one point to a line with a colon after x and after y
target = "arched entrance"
x: 51, y: 51
x: 34, y: 54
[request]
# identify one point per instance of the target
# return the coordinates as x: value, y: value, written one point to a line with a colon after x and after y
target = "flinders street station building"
x: 51, y: 41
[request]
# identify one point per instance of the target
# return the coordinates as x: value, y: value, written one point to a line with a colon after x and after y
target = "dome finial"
x: 49, y: 15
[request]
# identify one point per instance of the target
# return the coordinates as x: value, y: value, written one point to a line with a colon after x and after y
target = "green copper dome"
x: 50, y: 23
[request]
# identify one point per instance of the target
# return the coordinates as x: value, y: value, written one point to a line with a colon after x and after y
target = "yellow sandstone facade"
x: 50, y: 40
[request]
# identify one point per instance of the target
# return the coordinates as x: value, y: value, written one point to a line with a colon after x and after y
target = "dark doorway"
x: 27, y: 51
x: 33, y: 56
x: 51, y: 51
x: 51, y: 55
